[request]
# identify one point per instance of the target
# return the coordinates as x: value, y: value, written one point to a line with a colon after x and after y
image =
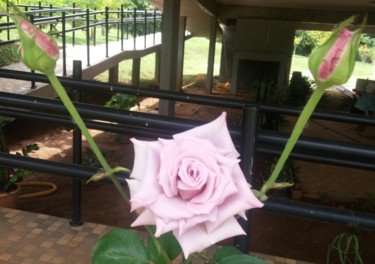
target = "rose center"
x: 192, y: 177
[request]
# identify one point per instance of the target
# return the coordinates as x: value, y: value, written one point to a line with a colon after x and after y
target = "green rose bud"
x: 333, y: 62
x: 37, y: 50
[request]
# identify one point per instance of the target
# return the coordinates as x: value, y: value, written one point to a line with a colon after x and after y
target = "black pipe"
x: 323, y: 213
x: 248, y: 132
x: 77, y: 152
x: 135, y: 29
x: 53, y: 167
x: 122, y: 27
x: 99, y: 87
x: 106, y: 31
x: 64, y: 42
x: 88, y: 36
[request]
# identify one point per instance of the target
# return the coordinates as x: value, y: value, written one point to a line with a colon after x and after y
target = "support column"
x: 180, y: 52
x: 136, y: 71
x: 113, y: 74
x: 211, y: 56
x: 171, y: 15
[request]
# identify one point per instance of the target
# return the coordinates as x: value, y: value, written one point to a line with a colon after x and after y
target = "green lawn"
x: 195, y: 63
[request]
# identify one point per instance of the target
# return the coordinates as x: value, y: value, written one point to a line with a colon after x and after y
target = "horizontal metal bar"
x: 324, y: 115
x: 323, y: 213
x: 53, y: 167
x: 94, y: 86
x: 353, y: 150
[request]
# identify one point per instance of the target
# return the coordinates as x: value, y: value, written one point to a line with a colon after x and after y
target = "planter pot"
x: 9, y: 199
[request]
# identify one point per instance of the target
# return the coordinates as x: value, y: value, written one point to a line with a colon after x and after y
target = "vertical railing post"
x: 94, y: 33
x: 51, y: 15
x: 248, y: 143
x: 8, y: 30
x: 33, y: 86
x: 134, y: 29
x: 118, y: 24
x: 63, y: 21
x: 106, y: 30
x: 77, y: 152
x: 73, y: 26
x: 154, y: 27
x: 40, y: 13
x: 127, y: 24
x: 122, y: 27
x: 145, y: 29
x: 88, y: 36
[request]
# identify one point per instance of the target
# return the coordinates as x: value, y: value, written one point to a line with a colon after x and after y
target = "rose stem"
x: 79, y: 122
x: 298, y: 128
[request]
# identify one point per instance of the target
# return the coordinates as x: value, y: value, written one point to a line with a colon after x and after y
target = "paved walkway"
x: 31, y: 238
x: 77, y: 52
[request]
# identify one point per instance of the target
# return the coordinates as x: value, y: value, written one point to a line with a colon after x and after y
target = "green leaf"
x: 120, y: 246
x: 242, y: 259
x: 224, y: 252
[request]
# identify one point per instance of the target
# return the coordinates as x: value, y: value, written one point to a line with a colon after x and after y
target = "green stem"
x: 79, y: 122
x: 108, y: 170
x: 298, y: 128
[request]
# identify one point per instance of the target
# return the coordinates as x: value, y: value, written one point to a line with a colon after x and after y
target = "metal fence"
x: 249, y: 138
x: 67, y: 21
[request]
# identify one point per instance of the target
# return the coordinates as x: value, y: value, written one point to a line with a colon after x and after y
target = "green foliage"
x: 6, y: 55
x: 365, y: 54
x: 166, y: 241
x: 229, y: 255
x: 124, y: 246
x: 305, y: 41
x: 120, y: 246
x: 344, y: 250
x: 122, y: 101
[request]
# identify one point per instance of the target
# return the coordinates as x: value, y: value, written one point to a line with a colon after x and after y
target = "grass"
x: 195, y: 62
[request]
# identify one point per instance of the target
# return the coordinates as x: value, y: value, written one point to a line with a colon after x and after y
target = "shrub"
x: 6, y: 55
x: 365, y: 54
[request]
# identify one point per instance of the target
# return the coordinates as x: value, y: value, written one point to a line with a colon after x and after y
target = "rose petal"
x: 197, y: 238
x: 147, y: 191
x: 216, y: 132
x: 146, y: 217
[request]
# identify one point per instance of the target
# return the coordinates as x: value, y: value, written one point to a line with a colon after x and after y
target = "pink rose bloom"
x: 191, y: 185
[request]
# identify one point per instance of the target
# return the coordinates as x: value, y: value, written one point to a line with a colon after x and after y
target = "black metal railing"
x: 248, y: 137
x: 128, y: 23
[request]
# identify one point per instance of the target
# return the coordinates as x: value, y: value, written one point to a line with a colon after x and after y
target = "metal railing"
x: 128, y: 23
x: 248, y: 137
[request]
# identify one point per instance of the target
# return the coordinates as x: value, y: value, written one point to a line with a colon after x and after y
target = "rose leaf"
x: 242, y: 259
x: 120, y: 246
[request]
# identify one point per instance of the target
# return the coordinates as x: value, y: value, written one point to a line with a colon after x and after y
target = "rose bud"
x: 333, y: 62
x: 37, y: 50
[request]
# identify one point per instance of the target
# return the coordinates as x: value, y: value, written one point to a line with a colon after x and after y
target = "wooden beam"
x: 211, y: 56
x: 208, y: 6
x: 289, y: 14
